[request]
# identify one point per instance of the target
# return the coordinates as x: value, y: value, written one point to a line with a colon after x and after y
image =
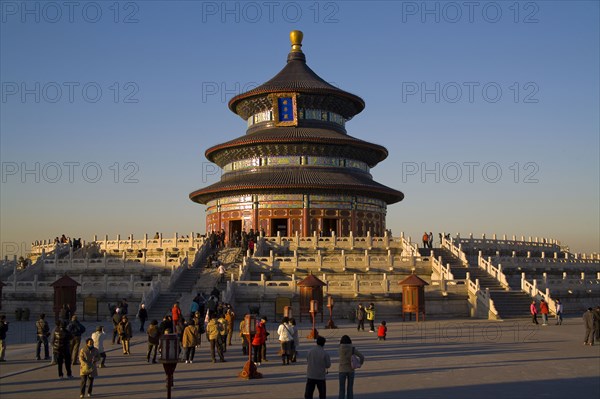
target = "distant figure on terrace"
x: 425, y: 240
x: 430, y: 241
x: 156, y: 236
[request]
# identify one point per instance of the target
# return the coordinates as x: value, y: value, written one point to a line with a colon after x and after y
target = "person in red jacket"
x: 382, y: 331
x: 259, y: 339
x: 544, y: 312
x: 176, y: 313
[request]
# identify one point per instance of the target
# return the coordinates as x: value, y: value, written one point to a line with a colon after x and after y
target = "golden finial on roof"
x: 296, y: 39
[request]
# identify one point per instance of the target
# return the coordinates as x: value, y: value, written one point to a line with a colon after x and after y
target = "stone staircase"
x: 182, y: 288
x: 509, y: 303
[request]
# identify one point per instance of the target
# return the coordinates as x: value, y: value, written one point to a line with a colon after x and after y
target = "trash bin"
x: 26, y: 314
x: 18, y: 314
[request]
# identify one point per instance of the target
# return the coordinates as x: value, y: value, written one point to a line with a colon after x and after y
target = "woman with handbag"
x: 347, y: 367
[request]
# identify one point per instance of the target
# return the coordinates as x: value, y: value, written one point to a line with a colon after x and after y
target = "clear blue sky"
x: 499, y: 101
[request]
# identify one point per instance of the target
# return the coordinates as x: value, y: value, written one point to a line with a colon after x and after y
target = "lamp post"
x: 169, y: 354
x: 249, y: 371
x: 330, y: 323
x: 314, y: 305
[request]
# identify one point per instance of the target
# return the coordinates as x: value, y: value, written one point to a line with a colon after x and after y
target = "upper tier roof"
x: 280, y: 140
x: 297, y: 77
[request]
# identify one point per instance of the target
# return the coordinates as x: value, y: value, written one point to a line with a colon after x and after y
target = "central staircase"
x: 510, y: 303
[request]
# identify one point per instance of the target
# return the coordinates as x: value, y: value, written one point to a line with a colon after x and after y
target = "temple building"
x: 296, y: 170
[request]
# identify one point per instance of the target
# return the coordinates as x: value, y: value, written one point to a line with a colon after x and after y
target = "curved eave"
x: 204, y: 195
x: 247, y: 141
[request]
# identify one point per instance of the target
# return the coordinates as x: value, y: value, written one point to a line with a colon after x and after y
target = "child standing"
x: 382, y: 331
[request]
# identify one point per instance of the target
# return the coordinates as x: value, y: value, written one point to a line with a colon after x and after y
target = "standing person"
x: 251, y: 246
x: 371, y: 317
x: 61, y: 347
x: 296, y: 340
x: 559, y: 312
x: 588, y: 323
x: 176, y: 313
x: 3, y: 331
x: 361, y: 314
x: 430, y: 240
x: 43, y: 332
x: 229, y: 318
x: 222, y: 338
x: 346, y: 350
x: 212, y: 334
x: 544, y: 312
x: 179, y: 328
x: 88, y: 357
x: 286, y: 338
x: 243, y: 337
x: 221, y: 270
x: 318, y: 361
x: 99, y: 336
x: 194, y: 307
x: 116, y: 319
x: 259, y: 340
x: 143, y: 316
x: 125, y: 333
x: 534, y: 312
x: 425, y: 240
x: 76, y: 329
x: 382, y: 331
x: 153, y: 340
x: 189, y: 341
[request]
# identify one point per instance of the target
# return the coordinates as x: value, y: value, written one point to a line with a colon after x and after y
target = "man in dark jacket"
x: 116, y: 319
x: 153, y: 340
x: 76, y: 330
x: 43, y: 332
x: 61, y: 347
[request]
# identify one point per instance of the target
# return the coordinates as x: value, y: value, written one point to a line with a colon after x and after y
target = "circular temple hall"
x: 296, y: 170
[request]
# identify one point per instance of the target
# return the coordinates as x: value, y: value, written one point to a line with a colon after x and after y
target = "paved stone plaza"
x: 434, y: 359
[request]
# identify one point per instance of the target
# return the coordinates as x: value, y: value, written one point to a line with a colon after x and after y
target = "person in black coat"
x: 61, y: 347
x: 143, y: 316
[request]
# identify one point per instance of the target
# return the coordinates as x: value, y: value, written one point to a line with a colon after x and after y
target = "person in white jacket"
x: 286, y: 338
x: 98, y: 336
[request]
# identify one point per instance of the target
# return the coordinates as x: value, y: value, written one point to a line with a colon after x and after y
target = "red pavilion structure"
x: 296, y: 170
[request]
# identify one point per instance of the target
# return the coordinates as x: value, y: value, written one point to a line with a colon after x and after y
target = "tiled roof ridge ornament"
x: 296, y: 53
x: 296, y: 37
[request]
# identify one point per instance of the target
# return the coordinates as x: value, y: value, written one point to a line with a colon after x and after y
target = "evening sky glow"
x: 489, y: 110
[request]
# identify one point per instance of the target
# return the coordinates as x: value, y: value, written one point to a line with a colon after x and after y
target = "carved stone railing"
x: 494, y: 271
